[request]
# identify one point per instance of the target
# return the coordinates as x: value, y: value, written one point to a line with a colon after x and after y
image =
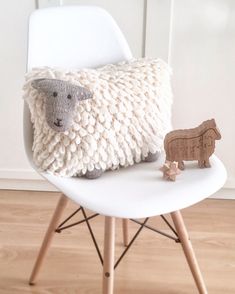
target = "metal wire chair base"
x: 142, y: 225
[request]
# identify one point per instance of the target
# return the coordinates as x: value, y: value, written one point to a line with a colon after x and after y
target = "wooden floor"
x: 154, y: 265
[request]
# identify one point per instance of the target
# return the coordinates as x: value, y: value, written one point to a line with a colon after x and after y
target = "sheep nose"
x: 58, y: 122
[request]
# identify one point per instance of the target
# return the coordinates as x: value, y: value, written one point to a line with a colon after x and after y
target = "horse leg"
x: 207, y: 163
x: 201, y: 163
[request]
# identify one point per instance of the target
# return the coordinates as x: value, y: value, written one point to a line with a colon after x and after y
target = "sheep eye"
x: 55, y: 94
x: 69, y: 96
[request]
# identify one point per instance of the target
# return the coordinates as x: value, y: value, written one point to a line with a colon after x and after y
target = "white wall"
x: 15, y: 171
x: 13, y: 40
x: 130, y: 17
x: 202, y: 60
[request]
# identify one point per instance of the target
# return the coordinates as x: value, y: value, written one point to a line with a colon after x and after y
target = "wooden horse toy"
x: 192, y: 144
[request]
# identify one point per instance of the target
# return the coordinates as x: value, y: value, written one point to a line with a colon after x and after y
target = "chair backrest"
x: 71, y: 37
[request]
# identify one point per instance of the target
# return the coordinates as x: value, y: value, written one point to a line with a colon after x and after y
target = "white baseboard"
x: 224, y: 193
x: 28, y: 179
x: 19, y: 174
x: 23, y: 179
x: 31, y: 185
x: 230, y: 183
x: 43, y: 185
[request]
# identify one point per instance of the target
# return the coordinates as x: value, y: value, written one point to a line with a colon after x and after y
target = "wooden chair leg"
x: 125, y: 231
x: 48, y: 238
x: 188, y: 251
x: 109, y: 248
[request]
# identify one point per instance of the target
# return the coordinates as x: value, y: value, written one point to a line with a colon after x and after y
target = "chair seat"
x: 140, y: 191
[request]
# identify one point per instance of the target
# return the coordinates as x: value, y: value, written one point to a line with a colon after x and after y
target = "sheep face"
x: 61, y: 99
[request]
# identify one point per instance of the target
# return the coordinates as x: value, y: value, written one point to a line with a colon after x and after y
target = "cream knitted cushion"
x: 126, y: 119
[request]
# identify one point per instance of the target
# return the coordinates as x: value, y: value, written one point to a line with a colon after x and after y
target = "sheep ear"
x: 41, y: 84
x: 35, y: 83
x: 83, y: 93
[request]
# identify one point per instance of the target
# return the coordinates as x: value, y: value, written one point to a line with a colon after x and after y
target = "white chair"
x: 87, y: 36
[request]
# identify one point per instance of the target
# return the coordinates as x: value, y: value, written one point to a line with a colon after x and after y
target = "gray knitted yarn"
x: 61, y: 98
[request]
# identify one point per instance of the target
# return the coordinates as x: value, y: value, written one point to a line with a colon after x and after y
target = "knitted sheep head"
x: 61, y: 99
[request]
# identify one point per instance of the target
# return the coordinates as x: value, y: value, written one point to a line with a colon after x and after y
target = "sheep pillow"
x: 91, y: 120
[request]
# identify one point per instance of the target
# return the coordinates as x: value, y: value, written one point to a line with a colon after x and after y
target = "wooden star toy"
x: 170, y: 170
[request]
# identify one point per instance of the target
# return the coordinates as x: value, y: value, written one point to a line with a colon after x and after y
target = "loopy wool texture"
x: 124, y: 122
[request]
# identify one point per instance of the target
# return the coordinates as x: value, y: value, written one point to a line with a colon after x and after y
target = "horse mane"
x: 191, y: 133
